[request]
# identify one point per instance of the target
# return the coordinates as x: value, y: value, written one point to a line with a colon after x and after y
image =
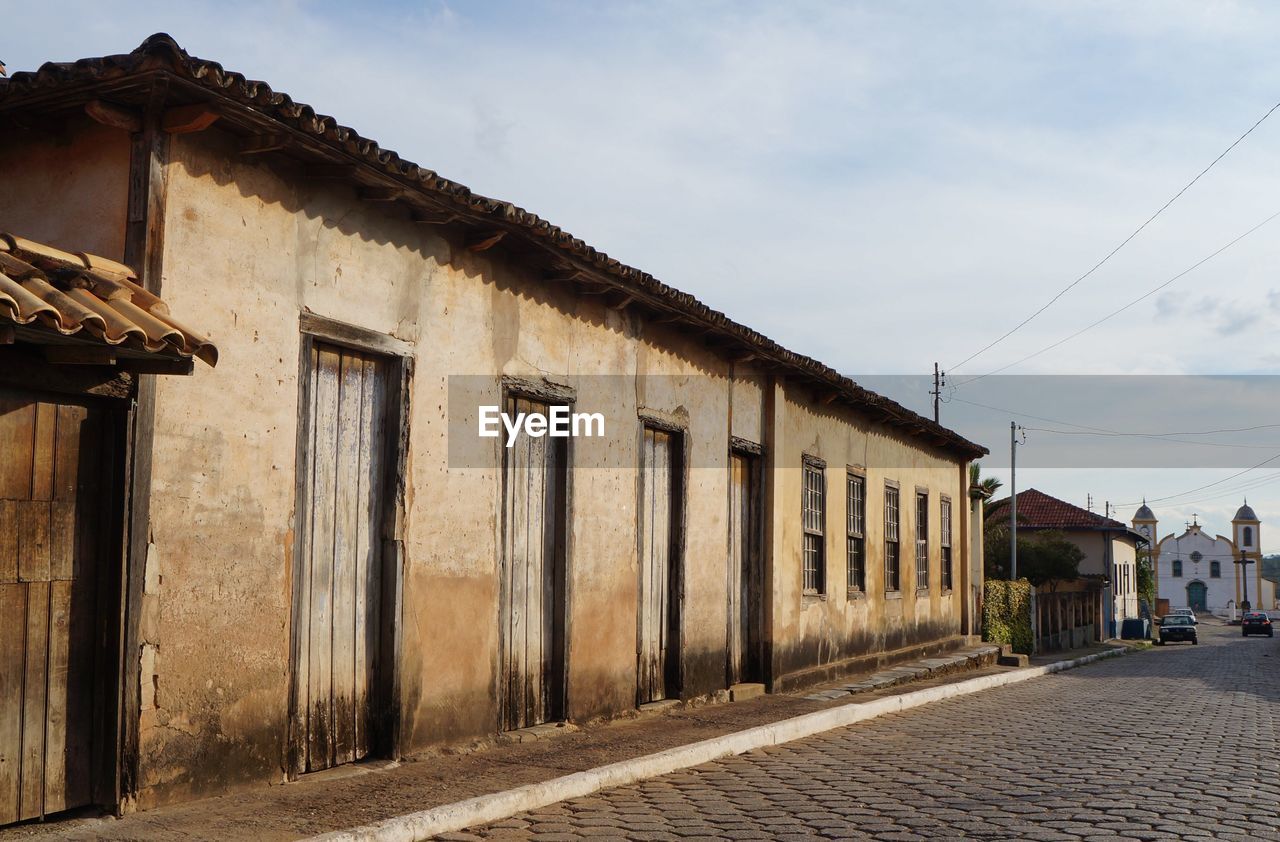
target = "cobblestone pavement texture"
x: 1175, y: 743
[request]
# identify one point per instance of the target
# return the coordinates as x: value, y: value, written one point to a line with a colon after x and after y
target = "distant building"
x: 1110, y: 548
x: 1204, y: 572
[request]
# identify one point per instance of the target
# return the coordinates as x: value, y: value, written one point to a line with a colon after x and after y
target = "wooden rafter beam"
x: 115, y: 116
x: 432, y: 218
x: 158, y: 366
x: 380, y: 194
x: 258, y: 144
x: 563, y: 276
x: 621, y: 302
x: 187, y: 119
x: 484, y: 240
x: 586, y: 286
x: 329, y: 172
x: 77, y: 355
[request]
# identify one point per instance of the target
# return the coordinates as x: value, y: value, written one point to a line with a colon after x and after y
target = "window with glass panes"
x: 856, y: 512
x: 892, y: 563
x: 922, y: 540
x: 945, y: 540
x: 814, y: 510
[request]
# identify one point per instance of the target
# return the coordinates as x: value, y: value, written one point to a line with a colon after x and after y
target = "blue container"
x: 1135, y: 629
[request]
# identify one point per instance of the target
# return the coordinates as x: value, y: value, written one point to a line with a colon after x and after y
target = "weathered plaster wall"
x: 1120, y: 565
x: 814, y: 634
x: 249, y: 245
x: 68, y: 188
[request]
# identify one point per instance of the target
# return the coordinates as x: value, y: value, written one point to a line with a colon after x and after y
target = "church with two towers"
x: 1209, y: 573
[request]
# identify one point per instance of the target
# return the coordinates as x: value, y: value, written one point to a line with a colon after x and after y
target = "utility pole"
x: 939, y: 380
x: 1013, y: 501
x: 1088, y: 502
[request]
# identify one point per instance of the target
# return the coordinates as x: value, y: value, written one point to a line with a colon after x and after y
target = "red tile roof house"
x: 1110, y: 547
x: 309, y: 555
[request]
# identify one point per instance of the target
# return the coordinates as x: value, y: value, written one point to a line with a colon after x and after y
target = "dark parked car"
x: 1176, y: 627
x: 1256, y: 622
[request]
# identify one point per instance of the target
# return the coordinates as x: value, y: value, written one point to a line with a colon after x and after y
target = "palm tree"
x: 989, y: 485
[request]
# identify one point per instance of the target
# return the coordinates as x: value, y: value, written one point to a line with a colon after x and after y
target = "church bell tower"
x: 1144, y: 523
x: 1245, y: 533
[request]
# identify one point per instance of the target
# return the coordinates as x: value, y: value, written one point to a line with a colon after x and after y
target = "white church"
x: 1205, y: 572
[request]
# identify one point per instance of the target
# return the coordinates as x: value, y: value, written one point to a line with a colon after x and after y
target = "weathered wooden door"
x: 532, y: 616
x: 658, y: 627
x: 53, y: 509
x: 341, y: 570
x: 745, y: 585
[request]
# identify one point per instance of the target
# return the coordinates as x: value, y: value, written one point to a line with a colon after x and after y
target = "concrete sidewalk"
x: 369, y: 793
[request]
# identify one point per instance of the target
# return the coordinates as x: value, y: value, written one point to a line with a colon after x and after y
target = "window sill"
x: 893, y: 594
x: 922, y: 592
x: 811, y: 597
x: 856, y: 594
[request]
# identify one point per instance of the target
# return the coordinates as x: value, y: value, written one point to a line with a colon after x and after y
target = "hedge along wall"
x: 1006, y: 614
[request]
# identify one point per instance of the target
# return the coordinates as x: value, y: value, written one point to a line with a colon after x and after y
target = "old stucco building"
x: 311, y: 555
x: 1109, y: 547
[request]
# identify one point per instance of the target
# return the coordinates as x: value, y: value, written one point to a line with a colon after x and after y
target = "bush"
x: 1006, y: 614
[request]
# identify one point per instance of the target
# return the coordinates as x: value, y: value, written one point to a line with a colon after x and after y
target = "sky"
x: 879, y: 185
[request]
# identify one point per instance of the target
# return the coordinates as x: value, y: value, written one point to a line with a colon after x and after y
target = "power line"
x: 1123, y: 243
x: 1231, y: 491
x: 1102, y: 431
x: 1248, y: 486
x: 1120, y: 310
x: 1207, y: 485
x: 1157, y: 437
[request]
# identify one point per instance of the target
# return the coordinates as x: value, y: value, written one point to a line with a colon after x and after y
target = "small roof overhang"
x: 87, y: 309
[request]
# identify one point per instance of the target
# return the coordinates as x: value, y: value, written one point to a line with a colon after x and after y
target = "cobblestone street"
x: 1174, y: 743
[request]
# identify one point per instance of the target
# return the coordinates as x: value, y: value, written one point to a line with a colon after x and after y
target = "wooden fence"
x: 1067, y: 619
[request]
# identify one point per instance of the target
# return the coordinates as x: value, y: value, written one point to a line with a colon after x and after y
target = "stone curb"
x: 448, y: 818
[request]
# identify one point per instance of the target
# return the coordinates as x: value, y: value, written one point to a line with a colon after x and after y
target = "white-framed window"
x: 944, y: 538
x: 814, y: 516
x: 922, y: 540
x: 892, y: 561
x: 856, y: 548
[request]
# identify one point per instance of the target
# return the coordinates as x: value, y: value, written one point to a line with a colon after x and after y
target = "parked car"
x: 1256, y: 622
x: 1186, y: 612
x: 1177, y: 627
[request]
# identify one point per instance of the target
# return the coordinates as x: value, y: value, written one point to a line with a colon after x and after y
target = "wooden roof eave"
x: 396, y: 172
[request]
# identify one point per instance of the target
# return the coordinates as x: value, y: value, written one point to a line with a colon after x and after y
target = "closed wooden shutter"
x: 342, y: 555
x: 51, y: 513
x: 745, y: 586
x: 533, y: 577
x: 657, y: 627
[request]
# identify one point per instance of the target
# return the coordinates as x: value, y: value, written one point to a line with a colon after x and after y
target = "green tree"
x: 1146, y: 578
x: 1044, y: 557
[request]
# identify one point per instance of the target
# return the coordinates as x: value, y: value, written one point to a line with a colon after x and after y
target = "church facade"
x: 1205, y: 572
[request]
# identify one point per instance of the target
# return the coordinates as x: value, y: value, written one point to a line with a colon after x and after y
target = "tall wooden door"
x: 1197, y: 596
x: 341, y: 571
x: 658, y: 627
x: 532, y: 615
x: 745, y: 580
x: 53, y: 508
